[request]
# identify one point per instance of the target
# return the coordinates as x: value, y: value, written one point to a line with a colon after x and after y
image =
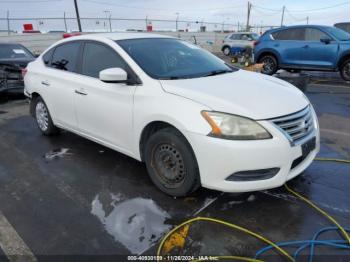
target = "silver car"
x: 239, y: 39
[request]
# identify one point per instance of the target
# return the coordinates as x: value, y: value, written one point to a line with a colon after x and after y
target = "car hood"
x: 18, y: 62
x: 244, y: 93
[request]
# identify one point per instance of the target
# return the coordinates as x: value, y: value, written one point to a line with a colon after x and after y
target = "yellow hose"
x: 233, y: 226
x: 260, y: 237
x: 324, y: 213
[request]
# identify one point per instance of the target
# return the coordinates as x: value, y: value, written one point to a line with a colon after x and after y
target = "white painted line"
x: 12, y: 244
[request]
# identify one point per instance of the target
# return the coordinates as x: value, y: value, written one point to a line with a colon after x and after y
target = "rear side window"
x: 313, y: 34
x: 234, y: 37
x: 65, y: 57
x: 297, y: 34
x: 97, y: 57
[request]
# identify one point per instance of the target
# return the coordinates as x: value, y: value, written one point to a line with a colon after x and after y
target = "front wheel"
x: 171, y: 163
x: 270, y: 65
x: 345, y: 70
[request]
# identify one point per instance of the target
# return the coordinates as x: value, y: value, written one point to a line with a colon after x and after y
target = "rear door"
x: 59, y: 80
x: 317, y: 53
x: 104, y: 110
x: 288, y: 43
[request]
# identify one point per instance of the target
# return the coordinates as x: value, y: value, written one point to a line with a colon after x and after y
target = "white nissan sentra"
x: 192, y: 119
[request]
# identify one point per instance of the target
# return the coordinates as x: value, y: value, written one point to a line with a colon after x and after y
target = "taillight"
x: 24, y: 71
x: 256, y: 43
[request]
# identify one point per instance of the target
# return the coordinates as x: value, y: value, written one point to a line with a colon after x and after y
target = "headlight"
x: 234, y: 127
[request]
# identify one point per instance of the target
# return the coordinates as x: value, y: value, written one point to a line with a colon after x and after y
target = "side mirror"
x: 113, y: 75
x: 326, y: 40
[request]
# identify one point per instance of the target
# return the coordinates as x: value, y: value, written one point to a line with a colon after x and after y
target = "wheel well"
x: 342, y: 60
x: 34, y: 96
x: 267, y: 53
x: 149, y: 130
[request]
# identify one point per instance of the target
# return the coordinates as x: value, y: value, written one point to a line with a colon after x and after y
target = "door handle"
x: 80, y: 92
x: 306, y: 46
x: 45, y: 83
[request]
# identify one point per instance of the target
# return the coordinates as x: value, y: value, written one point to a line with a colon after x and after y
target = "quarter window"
x: 65, y: 57
x: 97, y: 57
x: 313, y: 34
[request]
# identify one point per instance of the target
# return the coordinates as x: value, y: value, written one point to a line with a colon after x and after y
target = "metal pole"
x: 177, y: 18
x: 146, y: 22
x: 8, y: 22
x: 248, y: 15
x: 65, y: 21
x: 110, y: 22
x: 283, y: 9
x: 307, y: 20
x: 77, y: 13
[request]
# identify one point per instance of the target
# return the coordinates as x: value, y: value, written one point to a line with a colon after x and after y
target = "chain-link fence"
x: 109, y: 24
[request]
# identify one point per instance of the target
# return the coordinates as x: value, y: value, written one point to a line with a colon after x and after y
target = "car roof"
x: 119, y: 36
x: 242, y: 33
x: 299, y: 26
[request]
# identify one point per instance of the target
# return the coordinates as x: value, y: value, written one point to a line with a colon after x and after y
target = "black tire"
x: 226, y: 50
x: 345, y: 70
x: 171, y: 163
x: 270, y: 64
x: 41, y: 113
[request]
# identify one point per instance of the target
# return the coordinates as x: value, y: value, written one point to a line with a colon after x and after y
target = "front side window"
x: 97, y: 57
x: 65, y: 57
x: 167, y: 58
x: 313, y: 34
x: 234, y: 37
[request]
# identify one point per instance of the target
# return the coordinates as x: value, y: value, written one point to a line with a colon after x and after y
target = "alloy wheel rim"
x: 269, y: 65
x: 42, y: 116
x: 169, y: 165
x: 346, y: 70
x: 226, y: 51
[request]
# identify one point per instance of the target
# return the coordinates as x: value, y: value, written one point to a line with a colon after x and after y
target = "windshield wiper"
x: 218, y: 72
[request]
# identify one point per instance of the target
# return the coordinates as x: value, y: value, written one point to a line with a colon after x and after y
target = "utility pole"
x: 283, y: 10
x: 65, y: 21
x: 8, y: 22
x: 307, y: 20
x: 248, y: 15
x: 77, y: 13
x: 177, y: 19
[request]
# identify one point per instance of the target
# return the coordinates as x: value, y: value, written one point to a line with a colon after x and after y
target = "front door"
x: 104, y: 110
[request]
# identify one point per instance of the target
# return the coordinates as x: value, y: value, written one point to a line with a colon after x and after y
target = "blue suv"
x: 319, y: 48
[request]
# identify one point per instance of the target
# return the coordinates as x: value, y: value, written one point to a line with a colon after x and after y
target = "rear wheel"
x: 43, y: 117
x: 270, y: 65
x: 171, y: 163
x: 226, y: 50
x: 345, y: 70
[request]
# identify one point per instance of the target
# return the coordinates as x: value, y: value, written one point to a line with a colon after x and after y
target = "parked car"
x: 190, y: 117
x: 343, y: 26
x: 238, y: 40
x: 320, y: 48
x: 13, y: 58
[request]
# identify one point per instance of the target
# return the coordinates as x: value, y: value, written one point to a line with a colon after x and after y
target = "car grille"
x: 296, y: 126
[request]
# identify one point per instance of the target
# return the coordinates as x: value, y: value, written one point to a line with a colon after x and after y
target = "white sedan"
x: 193, y: 119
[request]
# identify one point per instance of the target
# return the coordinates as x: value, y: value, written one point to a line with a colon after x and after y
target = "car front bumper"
x: 219, y: 158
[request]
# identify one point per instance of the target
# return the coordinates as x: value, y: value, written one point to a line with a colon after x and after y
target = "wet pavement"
x: 65, y: 195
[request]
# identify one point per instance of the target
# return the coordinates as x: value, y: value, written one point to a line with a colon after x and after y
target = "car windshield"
x: 9, y: 51
x: 167, y: 58
x: 338, y: 33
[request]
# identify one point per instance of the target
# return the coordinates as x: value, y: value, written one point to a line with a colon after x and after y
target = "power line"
x: 29, y: 1
x: 159, y: 9
x: 320, y: 9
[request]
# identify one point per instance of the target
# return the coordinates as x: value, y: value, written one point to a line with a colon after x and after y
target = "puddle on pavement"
x: 56, y: 153
x: 137, y: 223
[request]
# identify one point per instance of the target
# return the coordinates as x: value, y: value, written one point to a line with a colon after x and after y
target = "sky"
x: 227, y: 12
